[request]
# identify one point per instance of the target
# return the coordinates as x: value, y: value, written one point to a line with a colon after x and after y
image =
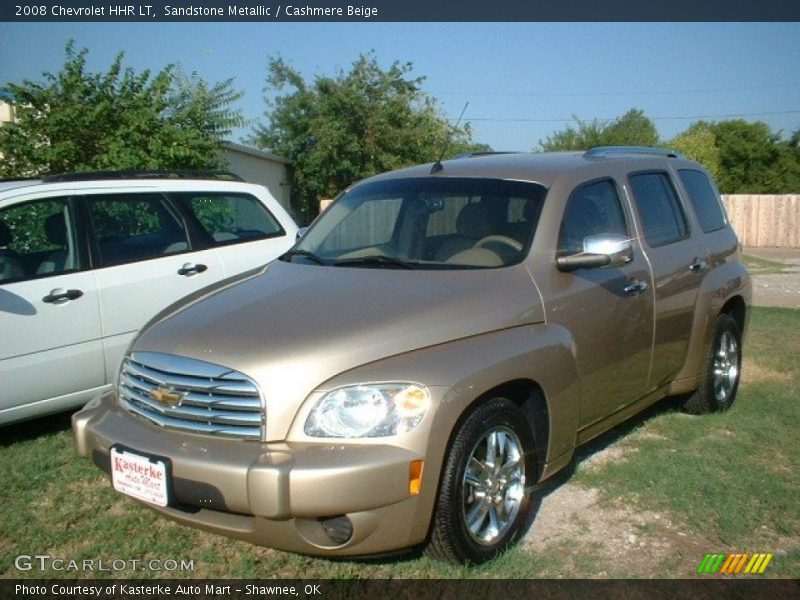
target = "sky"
x: 523, y: 81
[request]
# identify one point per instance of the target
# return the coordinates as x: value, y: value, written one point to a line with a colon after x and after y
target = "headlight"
x: 371, y: 410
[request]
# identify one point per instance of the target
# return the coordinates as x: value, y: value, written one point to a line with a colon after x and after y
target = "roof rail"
x: 486, y: 153
x: 601, y: 151
x: 144, y: 174
x: 16, y: 179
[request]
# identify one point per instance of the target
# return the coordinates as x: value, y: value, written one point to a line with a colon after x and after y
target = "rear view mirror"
x: 434, y: 204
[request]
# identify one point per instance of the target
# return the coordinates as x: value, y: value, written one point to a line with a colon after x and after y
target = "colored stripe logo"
x: 734, y: 563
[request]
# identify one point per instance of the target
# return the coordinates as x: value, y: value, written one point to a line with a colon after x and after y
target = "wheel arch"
x: 736, y: 307
x: 726, y: 289
x: 529, y: 396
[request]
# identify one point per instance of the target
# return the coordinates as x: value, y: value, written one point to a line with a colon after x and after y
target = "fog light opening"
x: 415, y: 476
x: 339, y: 529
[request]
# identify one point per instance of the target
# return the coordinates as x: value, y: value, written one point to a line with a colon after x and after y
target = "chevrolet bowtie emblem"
x: 166, y: 396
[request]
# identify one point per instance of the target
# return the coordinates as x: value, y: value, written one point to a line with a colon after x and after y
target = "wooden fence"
x: 765, y: 221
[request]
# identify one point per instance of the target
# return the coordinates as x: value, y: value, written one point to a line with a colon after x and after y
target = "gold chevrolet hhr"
x: 440, y: 340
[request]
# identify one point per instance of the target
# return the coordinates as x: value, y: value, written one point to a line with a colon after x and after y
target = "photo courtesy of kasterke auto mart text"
x: 435, y: 345
x: 138, y: 589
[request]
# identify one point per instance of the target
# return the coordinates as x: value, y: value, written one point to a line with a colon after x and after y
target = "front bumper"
x: 273, y: 494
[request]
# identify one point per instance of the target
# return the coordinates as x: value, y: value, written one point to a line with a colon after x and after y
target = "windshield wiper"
x: 376, y: 260
x: 305, y: 254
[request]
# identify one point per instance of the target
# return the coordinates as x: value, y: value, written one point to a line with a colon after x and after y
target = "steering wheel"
x: 502, y: 239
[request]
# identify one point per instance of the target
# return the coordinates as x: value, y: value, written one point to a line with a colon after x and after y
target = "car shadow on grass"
x: 602, y: 442
x: 34, y: 428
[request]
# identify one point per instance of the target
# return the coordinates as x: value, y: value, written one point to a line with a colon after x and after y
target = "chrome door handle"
x: 697, y: 266
x: 62, y: 296
x: 188, y: 270
x: 635, y: 287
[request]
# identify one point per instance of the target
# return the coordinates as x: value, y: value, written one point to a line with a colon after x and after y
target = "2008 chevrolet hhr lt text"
x: 440, y: 340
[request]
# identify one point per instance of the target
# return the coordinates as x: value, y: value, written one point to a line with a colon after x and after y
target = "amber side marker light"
x: 415, y: 476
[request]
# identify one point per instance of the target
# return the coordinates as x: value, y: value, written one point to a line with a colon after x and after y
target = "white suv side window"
x: 37, y: 239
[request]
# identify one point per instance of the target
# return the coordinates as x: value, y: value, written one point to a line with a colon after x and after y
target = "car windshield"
x: 431, y: 222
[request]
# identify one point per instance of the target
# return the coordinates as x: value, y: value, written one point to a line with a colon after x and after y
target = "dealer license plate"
x: 140, y: 476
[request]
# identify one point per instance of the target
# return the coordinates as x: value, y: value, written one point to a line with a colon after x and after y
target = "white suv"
x: 86, y: 260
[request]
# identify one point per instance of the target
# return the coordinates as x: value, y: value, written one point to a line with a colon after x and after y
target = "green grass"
x: 734, y: 477
x: 726, y: 482
x: 763, y: 266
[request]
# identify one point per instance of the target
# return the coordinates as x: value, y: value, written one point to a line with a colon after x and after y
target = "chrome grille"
x: 214, y: 400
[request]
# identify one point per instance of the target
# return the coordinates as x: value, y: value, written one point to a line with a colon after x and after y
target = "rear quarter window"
x: 232, y: 218
x: 705, y: 202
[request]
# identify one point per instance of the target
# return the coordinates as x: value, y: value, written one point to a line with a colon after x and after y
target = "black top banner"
x: 305, y: 11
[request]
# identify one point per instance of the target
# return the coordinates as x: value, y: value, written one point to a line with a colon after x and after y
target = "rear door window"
x: 134, y: 227
x: 663, y: 220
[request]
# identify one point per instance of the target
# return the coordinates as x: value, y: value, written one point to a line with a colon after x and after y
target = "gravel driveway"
x: 777, y: 289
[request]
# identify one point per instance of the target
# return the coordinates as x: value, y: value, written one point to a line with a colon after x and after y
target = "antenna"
x: 437, y: 166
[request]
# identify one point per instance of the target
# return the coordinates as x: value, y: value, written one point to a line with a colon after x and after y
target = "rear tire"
x: 483, y: 506
x: 723, y: 368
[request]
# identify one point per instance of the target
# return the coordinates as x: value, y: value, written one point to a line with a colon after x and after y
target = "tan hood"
x: 295, y: 326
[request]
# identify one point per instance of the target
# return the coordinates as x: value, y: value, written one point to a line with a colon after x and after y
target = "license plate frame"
x: 140, y: 475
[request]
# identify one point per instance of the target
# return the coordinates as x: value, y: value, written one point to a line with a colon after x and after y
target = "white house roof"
x: 254, y: 152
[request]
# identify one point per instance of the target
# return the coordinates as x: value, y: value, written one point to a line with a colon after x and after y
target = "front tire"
x: 723, y: 369
x: 483, y: 505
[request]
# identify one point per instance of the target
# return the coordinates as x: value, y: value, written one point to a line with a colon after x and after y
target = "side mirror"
x: 605, y: 250
x: 618, y: 248
x: 300, y: 233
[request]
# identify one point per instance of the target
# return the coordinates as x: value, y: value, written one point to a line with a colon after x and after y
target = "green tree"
x: 789, y: 166
x: 631, y: 129
x: 791, y: 163
x: 76, y: 120
x: 699, y: 143
x: 754, y: 160
x: 337, y: 130
x: 794, y: 140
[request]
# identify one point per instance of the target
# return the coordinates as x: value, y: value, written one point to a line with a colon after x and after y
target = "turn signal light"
x: 415, y: 476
